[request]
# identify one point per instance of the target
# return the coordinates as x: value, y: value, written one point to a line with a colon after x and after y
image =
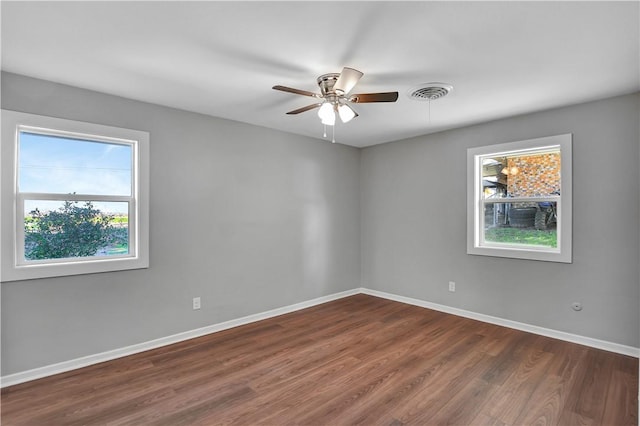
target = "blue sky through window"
x: 58, y: 165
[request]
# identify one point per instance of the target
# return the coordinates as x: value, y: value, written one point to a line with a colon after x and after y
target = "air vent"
x: 430, y: 91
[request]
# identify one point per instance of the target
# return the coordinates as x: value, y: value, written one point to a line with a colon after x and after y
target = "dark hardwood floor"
x: 358, y: 360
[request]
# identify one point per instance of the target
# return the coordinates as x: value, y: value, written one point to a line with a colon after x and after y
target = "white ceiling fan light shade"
x: 346, y: 113
x: 326, y: 114
x: 349, y: 77
x: 330, y: 120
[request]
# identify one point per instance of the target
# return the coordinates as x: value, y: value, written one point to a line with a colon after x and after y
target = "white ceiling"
x: 222, y: 58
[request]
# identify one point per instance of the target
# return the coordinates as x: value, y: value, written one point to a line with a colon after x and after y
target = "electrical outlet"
x: 196, y: 303
x: 452, y: 286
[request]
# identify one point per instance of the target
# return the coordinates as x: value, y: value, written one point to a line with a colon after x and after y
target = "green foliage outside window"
x: 71, y: 231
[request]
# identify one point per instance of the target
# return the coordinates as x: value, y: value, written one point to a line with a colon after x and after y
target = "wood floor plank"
x: 518, y: 389
x: 552, y: 392
x: 360, y: 360
x: 623, y: 388
x: 592, y: 393
x: 448, y: 375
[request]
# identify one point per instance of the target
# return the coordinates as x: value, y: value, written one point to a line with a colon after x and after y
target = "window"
x: 74, y: 197
x: 519, y: 199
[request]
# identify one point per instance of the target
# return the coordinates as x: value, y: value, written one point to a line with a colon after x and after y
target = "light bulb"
x: 346, y: 113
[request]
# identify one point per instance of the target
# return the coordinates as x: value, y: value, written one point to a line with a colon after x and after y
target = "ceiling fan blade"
x: 303, y: 109
x: 361, y: 98
x: 347, y: 80
x: 296, y: 91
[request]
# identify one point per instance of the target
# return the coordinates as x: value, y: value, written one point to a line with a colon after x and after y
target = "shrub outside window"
x: 519, y: 199
x: 76, y: 200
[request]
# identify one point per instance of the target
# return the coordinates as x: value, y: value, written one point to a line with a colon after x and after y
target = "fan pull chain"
x: 324, y: 135
x: 333, y: 136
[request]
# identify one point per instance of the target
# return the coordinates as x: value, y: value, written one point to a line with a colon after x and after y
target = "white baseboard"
x: 49, y: 370
x: 561, y: 335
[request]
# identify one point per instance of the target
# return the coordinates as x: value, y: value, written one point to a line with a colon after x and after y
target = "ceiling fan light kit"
x: 334, y: 92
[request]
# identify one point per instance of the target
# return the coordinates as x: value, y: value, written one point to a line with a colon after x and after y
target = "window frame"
x: 14, y: 266
x: 475, y: 202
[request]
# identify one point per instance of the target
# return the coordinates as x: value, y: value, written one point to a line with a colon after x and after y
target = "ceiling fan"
x: 334, y: 93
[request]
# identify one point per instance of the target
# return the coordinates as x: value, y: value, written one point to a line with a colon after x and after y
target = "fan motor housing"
x: 326, y: 83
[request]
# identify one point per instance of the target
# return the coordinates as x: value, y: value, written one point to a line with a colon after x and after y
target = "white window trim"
x: 475, y: 219
x: 12, y: 217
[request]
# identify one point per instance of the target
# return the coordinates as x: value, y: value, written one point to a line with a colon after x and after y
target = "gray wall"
x: 247, y: 218
x: 414, y: 228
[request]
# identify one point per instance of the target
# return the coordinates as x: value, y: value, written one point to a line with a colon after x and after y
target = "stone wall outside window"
x: 538, y: 175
